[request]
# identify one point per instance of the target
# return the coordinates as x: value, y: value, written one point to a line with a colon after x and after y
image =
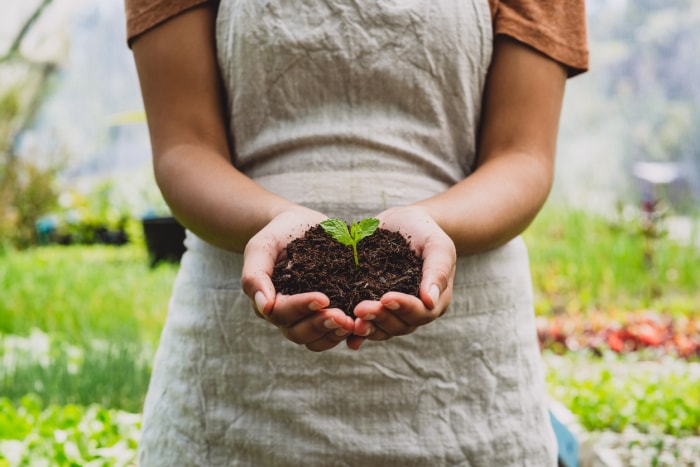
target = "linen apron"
x: 350, y: 107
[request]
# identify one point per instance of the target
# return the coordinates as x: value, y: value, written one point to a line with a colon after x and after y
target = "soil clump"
x: 318, y: 263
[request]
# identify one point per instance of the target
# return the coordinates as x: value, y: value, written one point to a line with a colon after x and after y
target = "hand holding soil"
x: 318, y: 262
x: 390, y: 291
x: 398, y: 314
x: 303, y: 318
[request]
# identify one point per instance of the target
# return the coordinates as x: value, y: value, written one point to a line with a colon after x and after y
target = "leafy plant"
x: 338, y: 229
x: 27, y: 192
x: 619, y: 394
x: 68, y: 435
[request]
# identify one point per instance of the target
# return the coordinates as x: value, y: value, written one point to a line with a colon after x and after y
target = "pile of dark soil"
x: 318, y: 263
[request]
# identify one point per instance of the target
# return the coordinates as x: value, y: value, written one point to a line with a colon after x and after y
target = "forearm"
x: 188, y: 128
x: 213, y: 199
x: 493, y: 205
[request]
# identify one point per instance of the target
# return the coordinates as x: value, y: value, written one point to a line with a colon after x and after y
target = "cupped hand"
x: 302, y: 318
x: 305, y: 320
x: 397, y: 314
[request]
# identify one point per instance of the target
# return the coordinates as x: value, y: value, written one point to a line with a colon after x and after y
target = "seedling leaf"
x: 364, y: 228
x: 338, y: 229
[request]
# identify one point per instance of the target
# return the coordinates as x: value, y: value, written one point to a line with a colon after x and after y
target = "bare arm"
x: 182, y: 93
x: 184, y: 101
x: 520, y: 119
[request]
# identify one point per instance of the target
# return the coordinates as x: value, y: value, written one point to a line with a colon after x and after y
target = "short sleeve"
x: 142, y: 15
x: 556, y: 29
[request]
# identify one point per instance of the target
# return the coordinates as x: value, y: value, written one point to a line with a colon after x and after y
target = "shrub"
x: 27, y: 192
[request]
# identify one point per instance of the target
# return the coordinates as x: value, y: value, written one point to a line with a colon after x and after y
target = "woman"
x: 440, y: 119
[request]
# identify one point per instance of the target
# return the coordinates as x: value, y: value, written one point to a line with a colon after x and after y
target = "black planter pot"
x: 106, y: 236
x: 165, y: 238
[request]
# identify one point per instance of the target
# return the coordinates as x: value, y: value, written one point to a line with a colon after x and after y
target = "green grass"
x: 112, y: 374
x: 90, y: 318
x: 619, y: 394
x: 84, y: 293
x: 582, y: 262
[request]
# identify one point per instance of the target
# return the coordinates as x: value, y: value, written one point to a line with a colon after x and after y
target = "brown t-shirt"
x: 559, y: 33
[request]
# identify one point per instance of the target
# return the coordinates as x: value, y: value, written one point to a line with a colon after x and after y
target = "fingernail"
x: 330, y: 324
x: 315, y: 306
x: 392, y: 306
x: 341, y: 332
x: 260, y: 301
x: 369, y: 331
x: 434, y: 294
x: 369, y: 317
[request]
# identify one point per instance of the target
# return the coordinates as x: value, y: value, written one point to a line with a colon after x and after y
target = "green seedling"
x: 338, y: 229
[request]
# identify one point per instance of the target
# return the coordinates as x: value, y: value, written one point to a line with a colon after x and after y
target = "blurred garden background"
x: 615, y: 252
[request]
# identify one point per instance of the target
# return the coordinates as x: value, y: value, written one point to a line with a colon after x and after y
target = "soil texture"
x: 318, y: 263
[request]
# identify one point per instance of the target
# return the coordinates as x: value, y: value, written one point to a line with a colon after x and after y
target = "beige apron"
x: 350, y: 107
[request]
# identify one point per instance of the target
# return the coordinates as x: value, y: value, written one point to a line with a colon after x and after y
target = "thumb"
x: 438, y: 270
x: 256, y: 277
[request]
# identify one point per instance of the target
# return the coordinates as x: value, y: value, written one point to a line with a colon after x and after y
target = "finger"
x: 378, y: 334
x: 256, y: 279
x: 367, y: 310
x: 354, y: 342
x: 332, y: 323
x: 261, y: 305
x: 410, y: 310
x: 328, y: 340
x: 438, y: 271
x: 291, y: 309
x: 257, y: 311
x: 382, y: 318
x: 362, y: 328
